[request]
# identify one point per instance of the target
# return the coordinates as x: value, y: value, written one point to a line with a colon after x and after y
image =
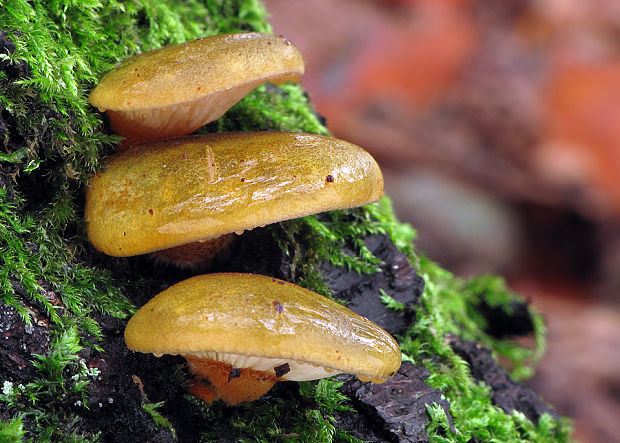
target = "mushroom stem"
x: 197, y: 255
x: 229, y: 384
x: 202, y: 389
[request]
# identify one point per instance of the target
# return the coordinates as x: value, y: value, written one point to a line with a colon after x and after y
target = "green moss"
x: 337, y: 237
x: 492, y: 291
x: 12, y: 430
x: 390, y: 302
x: 56, y: 142
x: 451, y: 304
x: 279, y: 419
x: 39, y: 266
x: 446, y: 309
x: 160, y: 420
x: 255, y: 112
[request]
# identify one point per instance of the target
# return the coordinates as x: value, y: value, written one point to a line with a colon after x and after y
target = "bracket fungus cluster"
x: 184, y: 198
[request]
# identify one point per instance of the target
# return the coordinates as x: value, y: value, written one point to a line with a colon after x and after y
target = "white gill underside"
x: 299, y: 371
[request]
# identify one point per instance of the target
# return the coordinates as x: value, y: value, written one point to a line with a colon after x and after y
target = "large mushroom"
x: 174, y: 90
x: 240, y: 333
x: 161, y: 195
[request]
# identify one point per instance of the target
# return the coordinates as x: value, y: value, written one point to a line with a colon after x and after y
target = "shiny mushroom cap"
x: 164, y: 194
x: 174, y: 90
x: 262, y: 323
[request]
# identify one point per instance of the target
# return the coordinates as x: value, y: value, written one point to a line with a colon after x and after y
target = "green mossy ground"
x: 52, y: 141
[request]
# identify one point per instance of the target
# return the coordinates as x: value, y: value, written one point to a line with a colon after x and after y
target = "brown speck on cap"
x: 329, y: 178
x: 278, y: 306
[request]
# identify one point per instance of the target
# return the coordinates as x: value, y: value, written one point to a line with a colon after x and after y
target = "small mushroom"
x: 240, y: 333
x: 174, y: 90
x: 164, y: 194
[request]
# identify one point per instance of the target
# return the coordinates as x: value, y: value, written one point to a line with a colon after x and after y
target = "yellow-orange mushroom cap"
x: 174, y: 90
x: 168, y: 193
x: 260, y: 323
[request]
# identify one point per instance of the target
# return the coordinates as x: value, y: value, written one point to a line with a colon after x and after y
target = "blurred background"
x: 497, y: 126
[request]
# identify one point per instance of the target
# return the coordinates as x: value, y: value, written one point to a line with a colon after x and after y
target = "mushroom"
x: 240, y: 333
x: 165, y: 194
x: 174, y: 90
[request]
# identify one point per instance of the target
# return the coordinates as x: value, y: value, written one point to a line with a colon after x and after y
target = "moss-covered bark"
x: 65, y: 372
